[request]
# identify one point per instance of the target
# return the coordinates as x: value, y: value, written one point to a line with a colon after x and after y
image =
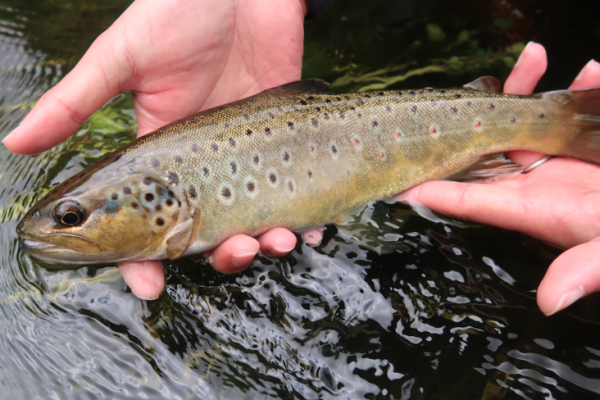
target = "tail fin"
x: 586, y: 106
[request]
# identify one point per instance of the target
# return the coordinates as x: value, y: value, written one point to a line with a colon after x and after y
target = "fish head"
x: 103, y: 217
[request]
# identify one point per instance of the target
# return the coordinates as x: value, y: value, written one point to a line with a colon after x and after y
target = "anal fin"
x: 490, y: 167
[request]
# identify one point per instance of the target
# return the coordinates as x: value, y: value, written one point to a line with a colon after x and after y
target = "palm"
x: 190, y: 69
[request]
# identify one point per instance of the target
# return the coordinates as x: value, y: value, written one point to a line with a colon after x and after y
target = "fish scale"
x: 299, y: 156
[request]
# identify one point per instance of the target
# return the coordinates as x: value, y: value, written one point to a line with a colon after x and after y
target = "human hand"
x: 557, y: 202
x: 177, y: 57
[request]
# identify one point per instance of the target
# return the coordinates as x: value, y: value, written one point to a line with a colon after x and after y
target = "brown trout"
x: 296, y: 156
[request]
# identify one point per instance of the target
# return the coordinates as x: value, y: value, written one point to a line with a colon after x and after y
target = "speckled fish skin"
x: 292, y: 158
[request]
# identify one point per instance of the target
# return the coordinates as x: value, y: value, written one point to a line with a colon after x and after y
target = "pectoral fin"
x: 489, y: 167
x: 179, y: 238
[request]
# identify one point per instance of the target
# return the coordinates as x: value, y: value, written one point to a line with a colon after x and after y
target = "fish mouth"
x: 61, y: 254
x: 32, y: 246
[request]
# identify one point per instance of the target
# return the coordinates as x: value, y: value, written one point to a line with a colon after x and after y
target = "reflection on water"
x: 390, y: 305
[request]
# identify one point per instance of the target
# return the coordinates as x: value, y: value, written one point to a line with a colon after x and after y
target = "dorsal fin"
x: 302, y: 86
x: 485, y: 84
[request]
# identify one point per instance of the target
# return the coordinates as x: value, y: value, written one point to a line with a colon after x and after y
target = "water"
x: 443, y: 309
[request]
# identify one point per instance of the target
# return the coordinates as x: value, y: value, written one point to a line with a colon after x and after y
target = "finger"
x: 573, y: 275
x: 146, y: 279
x: 277, y: 242
x: 234, y: 254
x: 314, y: 236
x: 62, y: 110
x: 528, y: 70
x: 589, y: 77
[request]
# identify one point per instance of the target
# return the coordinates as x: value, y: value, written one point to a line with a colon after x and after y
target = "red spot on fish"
x: 477, y: 124
x: 381, y: 154
x: 311, y: 148
x: 513, y: 120
x: 356, y: 142
x: 433, y: 130
x: 398, y: 134
x: 413, y: 109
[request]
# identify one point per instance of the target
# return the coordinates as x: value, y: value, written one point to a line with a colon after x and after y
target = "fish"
x: 296, y: 156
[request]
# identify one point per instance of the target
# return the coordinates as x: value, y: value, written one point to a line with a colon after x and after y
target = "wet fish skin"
x: 296, y: 156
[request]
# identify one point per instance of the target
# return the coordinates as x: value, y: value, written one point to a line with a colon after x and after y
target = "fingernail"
x: 568, y: 298
x: 585, y: 69
x: 10, y: 133
x: 522, y: 56
x: 241, y: 260
x: 284, y: 250
x: 146, y: 298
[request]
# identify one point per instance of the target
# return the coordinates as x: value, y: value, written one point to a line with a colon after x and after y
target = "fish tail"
x: 585, y: 144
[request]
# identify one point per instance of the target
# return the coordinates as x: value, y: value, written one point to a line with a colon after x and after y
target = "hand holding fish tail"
x: 557, y: 202
x: 190, y: 56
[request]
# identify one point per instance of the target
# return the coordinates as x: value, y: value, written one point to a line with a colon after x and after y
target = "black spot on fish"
x: 118, y: 157
x: 147, y: 181
x: 267, y: 131
x: 338, y: 98
x: 381, y: 93
x: 255, y: 159
x: 412, y: 94
x: 158, y: 207
x: 368, y: 96
x: 160, y: 221
x: 333, y: 149
x: 291, y: 125
x: 328, y: 101
x: 178, y: 159
x: 310, y: 174
x: 413, y: 109
x: 457, y: 95
x: 226, y: 126
x: 134, y: 206
x: 272, y: 177
x: 399, y: 94
x: 195, y: 148
x: 359, y: 115
x: 233, y: 167
x: 226, y: 193
x: 326, y: 117
x: 246, y: 117
x: 375, y: 124
x: 303, y: 102
x: 249, y: 132
x: 315, y: 122
x: 360, y: 101
x: 173, y: 178
x: 318, y: 108
x: 250, y: 186
x: 453, y: 110
x: 442, y: 91
x: 353, y: 109
x: 491, y: 107
x: 429, y: 89
x: 232, y: 142
x: 286, y: 156
x: 311, y: 98
x: 149, y: 197
x: 169, y: 202
x: 388, y: 108
x: 171, y: 194
x: 155, y: 163
x: 127, y: 190
x: 271, y: 115
x: 469, y: 103
x: 114, y: 196
x: 205, y: 171
x: 160, y: 191
x: 291, y: 186
x: 542, y: 115
x: 192, y: 192
x: 214, y: 147
x: 342, y: 115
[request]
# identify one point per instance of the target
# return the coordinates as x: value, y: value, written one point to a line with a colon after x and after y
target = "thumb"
x: 62, y: 110
x: 573, y: 275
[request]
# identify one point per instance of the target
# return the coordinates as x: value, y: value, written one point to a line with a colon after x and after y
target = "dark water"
x: 442, y: 310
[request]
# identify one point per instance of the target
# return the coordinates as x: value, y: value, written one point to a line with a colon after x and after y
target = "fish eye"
x: 69, y: 213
